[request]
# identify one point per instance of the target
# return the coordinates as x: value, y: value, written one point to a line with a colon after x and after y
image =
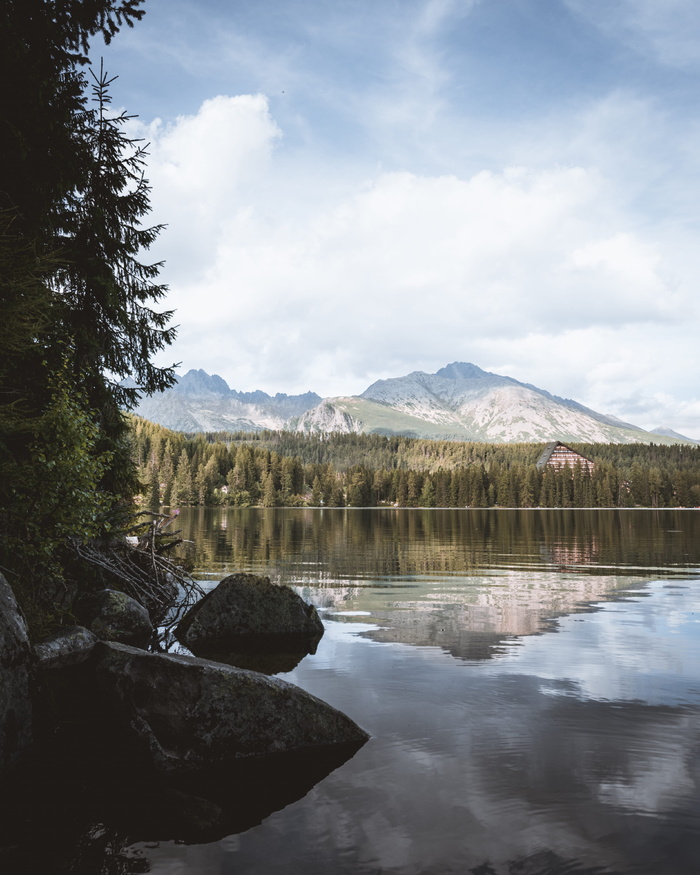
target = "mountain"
x: 463, y: 402
x: 459, y: 402
x: 669, y: 432
x: 203, y: 402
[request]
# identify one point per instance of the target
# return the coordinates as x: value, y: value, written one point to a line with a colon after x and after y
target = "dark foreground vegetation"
x: 284, y: 469
x: 78, y: 300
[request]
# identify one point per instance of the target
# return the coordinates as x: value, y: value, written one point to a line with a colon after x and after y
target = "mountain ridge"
x: 458, y: 402
x: 204, y: 402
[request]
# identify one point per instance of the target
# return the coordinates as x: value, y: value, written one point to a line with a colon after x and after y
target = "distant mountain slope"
x: 200, y: 402
x: 669, y: 432
x: 459, y: 402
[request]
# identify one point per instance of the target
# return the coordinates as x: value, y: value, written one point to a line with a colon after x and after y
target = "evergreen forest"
x: 286, y: 469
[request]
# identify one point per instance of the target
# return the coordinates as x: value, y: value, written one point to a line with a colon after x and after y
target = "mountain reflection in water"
x: 466, y: 581
x: 530, y: 679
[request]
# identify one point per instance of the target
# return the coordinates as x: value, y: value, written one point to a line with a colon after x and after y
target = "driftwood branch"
x: 136, y: 565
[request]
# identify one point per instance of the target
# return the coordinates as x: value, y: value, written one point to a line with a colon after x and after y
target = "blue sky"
x: 355, y: 190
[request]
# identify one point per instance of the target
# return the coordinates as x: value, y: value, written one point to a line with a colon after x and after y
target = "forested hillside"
x: 284, y: 469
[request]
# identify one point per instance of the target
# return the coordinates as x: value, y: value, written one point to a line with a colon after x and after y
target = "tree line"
x: 283, y: 469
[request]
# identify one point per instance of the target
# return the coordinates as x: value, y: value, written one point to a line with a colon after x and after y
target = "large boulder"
x: 114, y: 616
x: 192, y: 714
x: 15, y: 680
x: 247, y: 612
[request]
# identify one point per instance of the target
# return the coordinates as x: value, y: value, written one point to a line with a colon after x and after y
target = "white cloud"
x: 284, y: 282
x: 211, y: 154
x: 463, y: 180
x: 202, y: 169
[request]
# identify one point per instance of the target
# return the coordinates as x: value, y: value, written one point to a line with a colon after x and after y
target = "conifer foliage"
x: 107, y: 324
x: 285, y: 469
x: 77, y: 299
x: 105, y: 291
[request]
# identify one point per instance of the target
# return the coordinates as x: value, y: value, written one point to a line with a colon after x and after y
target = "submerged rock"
x: 115, y: 616
x: 246, y: 612
x: 15, y: 679
x: 192, y: 714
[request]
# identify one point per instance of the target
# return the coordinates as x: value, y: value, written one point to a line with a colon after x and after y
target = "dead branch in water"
x: 135, y: 564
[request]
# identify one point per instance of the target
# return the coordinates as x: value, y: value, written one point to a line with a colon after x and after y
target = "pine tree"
x: 75, y: 298
x: 269, y: 493
x: 427, y: 495
x: 167, y: 473
x: 183, y: 491
x: 106, y: 293
x: 206, y: 480
x: 153, y: 483
x: 289, y: 481
x: 317, y: 492
x: 331, y: 488
x: 529, y: 489
x: 337, y: 495
x: 414, y: 484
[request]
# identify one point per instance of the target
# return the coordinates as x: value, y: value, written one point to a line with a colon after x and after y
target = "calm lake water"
x: 530, y: 680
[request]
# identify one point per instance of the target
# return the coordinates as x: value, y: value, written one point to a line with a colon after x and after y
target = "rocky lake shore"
x: 103, y: 740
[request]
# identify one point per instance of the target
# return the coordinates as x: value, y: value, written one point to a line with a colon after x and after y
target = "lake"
x: 530, y: 680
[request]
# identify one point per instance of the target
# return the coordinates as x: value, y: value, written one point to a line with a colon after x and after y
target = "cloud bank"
x: 532, y: 272
x: 353, y: 194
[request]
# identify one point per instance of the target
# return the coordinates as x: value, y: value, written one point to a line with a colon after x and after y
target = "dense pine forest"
x: 285, y: 469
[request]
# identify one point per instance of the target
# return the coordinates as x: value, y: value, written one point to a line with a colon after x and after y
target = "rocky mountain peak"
x: 462, y: 371
x: 199, y: 382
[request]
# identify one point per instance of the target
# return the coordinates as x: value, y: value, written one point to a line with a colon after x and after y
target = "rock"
x: 70, y: 646
x: 247, y: 612
x: 115, y: 616
x: 261, y: 661
x: 15, y: 680
x: 192, y: 714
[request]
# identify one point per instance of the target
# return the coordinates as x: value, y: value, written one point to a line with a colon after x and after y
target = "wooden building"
x: 557, y: 455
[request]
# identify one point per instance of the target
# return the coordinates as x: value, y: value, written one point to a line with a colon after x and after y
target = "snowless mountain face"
x: 459, y: 402
x: 203, y: 402
x: 669, y: 432
x: 463, y: 402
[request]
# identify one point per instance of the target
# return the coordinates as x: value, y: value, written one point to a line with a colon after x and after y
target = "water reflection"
x: 273, y: 662
x: 332, y: 545
x: 646, y: 649
x: 88, y: 801
x: 516, y: 766
x: 531, y: 681
x: 466, y: 581
x: 470, y: 617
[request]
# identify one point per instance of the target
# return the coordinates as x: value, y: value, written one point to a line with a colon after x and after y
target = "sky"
x: 360, y: 189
